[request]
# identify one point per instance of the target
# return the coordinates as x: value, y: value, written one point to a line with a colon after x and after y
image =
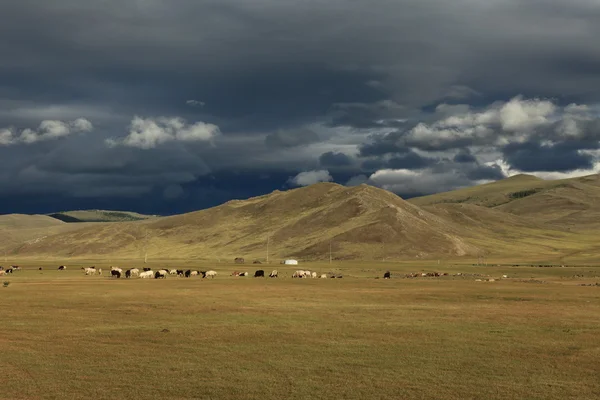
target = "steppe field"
x: 533, y: 335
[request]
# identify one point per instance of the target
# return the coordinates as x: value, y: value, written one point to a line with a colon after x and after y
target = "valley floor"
x: 532, y: 335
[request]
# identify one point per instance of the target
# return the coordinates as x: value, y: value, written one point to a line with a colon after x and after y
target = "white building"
x: 291, y: 262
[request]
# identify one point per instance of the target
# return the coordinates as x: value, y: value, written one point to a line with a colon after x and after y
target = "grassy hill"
x: 522, y: 216
x: 360, y: 222
x: 567, y: 204
x: 99, y: 216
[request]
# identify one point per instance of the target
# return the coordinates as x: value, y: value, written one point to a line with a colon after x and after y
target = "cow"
x: 163, y: 273
x: 259, y: 273
x: 173, y: 272
x: 135, y: 271
x: 238, y: 260
x: 146, y: 274
x: 115, y: 274
x: 179, y: 273
x: 2, y: 272
x: 62, y: 267
x: 99, y: 271
x: 244, y: 274
x: 116, y: 269
x: 195, y: 273
x: 40, y: 269
x: 9, y: 270
x: 210, y: 273
x: 273, y: 274
x: 323, y: 275
x: 147, y: 269
x: 387, y: 275
x: 188, y: 273
x: 256, y: 262
x: 235, y: 273
x: 313, y: 274
x: 89, y: 271
x: 128, y: 273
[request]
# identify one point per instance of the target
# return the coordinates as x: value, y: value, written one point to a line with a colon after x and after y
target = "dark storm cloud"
x: 485, y: 172
x: 332, y: 159
x: 410, y: 161
x: 535, y: 157
x: 291, y: 138
x: 380, y: 145
x: 464, y: 156
x: 274, y: 70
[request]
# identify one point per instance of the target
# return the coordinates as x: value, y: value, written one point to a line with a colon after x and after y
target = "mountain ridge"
x: 548, y: 219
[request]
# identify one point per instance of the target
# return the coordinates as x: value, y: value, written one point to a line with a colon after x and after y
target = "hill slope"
x: 361, y: 222
x: 99, y: 216
x: 572, y: 204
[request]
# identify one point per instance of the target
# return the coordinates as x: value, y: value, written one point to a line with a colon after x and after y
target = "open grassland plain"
x: 533, y: 335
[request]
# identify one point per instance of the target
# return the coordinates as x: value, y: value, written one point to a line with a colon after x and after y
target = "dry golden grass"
x: 69, y: 336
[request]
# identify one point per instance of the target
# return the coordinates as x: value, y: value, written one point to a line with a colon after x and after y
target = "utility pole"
x: 268, y: 238
x: 145, y: 246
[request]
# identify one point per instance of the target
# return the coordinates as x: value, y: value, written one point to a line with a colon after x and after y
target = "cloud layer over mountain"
x: 166, y: 107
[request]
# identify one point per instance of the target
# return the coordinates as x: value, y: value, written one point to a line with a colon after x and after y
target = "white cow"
x: 135, y: 271
x: 210, y: 273
x: 273, y: 274
x: 162, y: 273
x: 116, y: 269
x: 146, y: 274
x: 99, y: 271
x: 313, y: 275
x: 323, y: 275
x: 194, y: 273
x: 300, y: 274
x: 90, y: 271
x: 173, y: 272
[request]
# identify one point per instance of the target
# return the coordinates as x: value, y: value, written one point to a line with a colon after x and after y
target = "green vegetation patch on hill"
x: 99, y: 216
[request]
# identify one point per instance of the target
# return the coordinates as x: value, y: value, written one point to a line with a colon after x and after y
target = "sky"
x: 165, y: 107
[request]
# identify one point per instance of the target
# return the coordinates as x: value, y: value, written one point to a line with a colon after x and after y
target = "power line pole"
x: 145, y: 246
x: 268, y: 238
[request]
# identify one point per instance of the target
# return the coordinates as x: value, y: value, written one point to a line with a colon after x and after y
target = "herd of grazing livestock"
x: 147, y: 273
x: 9, y: 270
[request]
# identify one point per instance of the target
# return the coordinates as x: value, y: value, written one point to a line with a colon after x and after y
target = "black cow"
x: 179, y: 272
x: 40, y: 268
x: 9, y: 270
x: 387, y: 275
x: 62, y: 268
x: 258, y: 273
x: 147, y: 269
x: 188, y: 273
x: 115, y: 274
x: 128, y: 273
x: 158, y: 275
x: 203, y: 273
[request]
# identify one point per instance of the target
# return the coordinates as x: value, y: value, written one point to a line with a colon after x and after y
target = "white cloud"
x: 519, y: 114
x: 311, y: 177
x: 411, y: 182
x: 195, y: 103
x: 47, y: 130
x: 147, y: 133
x: 517, y: 120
